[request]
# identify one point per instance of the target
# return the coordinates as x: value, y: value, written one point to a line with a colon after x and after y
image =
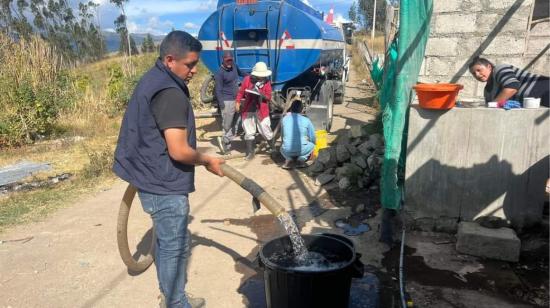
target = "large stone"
x: 343, y: 139
x: 374, y: 162
x: 359, y: 161
x: 324, y: 155
x: 327, y: 156
x: 344, y: 183
x: 316, y: 167
x: 364, y: 149
x: 375, y: 142
x: 351, y: 149
x: 324, y: 179
x: 348, y: 170
x: 356, y: 142
x: 501, y: 244
x: 356, y: 131
x: 342, y: 153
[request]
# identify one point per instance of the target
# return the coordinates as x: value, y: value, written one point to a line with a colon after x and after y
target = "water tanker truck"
x: 306, y: 55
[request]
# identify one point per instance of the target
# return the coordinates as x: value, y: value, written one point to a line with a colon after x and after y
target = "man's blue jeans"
x: 170, y: 214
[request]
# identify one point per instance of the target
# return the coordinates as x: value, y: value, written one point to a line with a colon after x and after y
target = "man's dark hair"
x: 178, y: 44
x: 296, y: 106
x: 480, y: 61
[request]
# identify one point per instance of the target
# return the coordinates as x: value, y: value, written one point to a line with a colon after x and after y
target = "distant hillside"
x: 112, y: 40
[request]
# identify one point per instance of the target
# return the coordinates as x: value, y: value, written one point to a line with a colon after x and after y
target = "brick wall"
x: 498, y: 30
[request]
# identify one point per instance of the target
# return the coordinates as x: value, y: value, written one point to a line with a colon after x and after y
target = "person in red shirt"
x: 255, y: 95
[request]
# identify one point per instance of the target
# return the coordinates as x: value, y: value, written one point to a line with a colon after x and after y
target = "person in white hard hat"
x: 255, y: 94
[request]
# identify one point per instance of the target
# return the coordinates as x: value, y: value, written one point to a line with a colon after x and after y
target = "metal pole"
x: 373, y: 26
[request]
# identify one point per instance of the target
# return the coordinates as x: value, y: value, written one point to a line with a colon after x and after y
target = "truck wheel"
x: 207, y: 90
x: 320, y: 110
x: 326, y: 97
x: 339, y: 98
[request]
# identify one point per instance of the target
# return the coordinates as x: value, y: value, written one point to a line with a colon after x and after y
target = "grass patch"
x: 24, y: 207
x: 85, y: 139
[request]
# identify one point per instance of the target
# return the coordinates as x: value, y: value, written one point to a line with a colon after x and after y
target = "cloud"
x: 143, y: 8
x: 339, y: 19
x: 132, y: 27
x: 155, y: 23
x: 100, y: 2
x: 153, y: 26
x: 190, y: 26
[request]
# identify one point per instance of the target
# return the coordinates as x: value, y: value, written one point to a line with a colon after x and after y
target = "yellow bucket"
x: 321, y: 141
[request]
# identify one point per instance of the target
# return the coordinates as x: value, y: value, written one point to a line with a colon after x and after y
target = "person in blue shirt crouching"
x: 298, y: 137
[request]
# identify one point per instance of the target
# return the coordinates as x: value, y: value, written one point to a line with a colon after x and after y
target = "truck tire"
x: 320, y: 110
x: 207, y: 90
x: 136, y: 266
x: 339, y: 98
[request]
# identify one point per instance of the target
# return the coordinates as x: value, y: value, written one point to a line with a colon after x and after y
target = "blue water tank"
x: 289, y: 36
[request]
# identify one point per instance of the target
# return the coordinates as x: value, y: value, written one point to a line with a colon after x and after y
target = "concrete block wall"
x: 466, y: 163
x: 497, y: 30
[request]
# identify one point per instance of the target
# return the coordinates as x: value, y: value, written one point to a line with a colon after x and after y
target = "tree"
x: 76, y: 37
x: 125, y: 38
x: 133, y: 46
x: 352, y: 14
x: 365, y: 11
x: 148, y: 45
x: 122, y: 24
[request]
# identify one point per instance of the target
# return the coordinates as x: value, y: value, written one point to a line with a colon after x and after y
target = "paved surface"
x: 72, y: 259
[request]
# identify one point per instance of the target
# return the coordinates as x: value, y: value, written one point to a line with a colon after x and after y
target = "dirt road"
x: 72, y: 259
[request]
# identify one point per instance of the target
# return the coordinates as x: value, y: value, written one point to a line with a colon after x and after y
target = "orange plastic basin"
x: 437, y: 95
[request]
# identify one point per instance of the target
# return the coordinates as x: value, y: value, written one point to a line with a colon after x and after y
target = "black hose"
x: 401, y: 268
x: 133, y: 265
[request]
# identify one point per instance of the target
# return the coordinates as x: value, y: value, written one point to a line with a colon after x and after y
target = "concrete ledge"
x: 501, y: 244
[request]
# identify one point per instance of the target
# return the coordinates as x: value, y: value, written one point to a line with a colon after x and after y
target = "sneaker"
x: 162, y: 301
x: 301, y: 164
x: 226, y: 148
x: 196, y: 302
x: 287, y: 165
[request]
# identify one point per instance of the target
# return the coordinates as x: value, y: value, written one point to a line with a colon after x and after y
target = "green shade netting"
x: 402, y: 66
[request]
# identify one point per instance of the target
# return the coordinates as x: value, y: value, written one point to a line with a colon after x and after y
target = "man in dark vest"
x: 226, y: 87
x: 156, y: 153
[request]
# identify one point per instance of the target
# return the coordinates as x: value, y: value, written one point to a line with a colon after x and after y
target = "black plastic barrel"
x: 289, y: 288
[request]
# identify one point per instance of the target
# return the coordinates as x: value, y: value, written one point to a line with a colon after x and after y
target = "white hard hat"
x: 260, y: 70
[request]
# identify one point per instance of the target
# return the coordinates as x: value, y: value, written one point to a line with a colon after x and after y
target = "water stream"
x: 301, y: 259
x: 298, y: 245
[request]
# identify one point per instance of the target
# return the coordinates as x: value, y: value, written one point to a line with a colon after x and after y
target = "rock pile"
x: 355, y: 162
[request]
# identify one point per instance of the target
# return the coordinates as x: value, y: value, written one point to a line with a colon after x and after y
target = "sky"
x: 160, y: 16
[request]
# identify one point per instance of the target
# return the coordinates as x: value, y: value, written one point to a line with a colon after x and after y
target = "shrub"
x: 100, y: 163
x: 34, y: 88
